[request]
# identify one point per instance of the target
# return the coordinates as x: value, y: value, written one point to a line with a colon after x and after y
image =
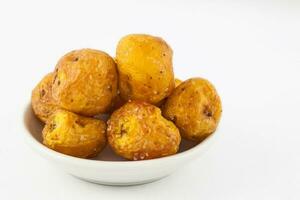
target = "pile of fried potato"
x: 149, y: 109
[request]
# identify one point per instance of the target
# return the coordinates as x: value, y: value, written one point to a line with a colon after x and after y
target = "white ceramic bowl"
x: 108, y: 168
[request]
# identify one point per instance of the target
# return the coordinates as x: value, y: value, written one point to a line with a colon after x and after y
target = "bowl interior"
x: 35, y: 127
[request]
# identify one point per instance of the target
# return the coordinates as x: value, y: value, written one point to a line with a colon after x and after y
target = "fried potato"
x: 74, y: 135
x: 85, y: 82
x: 145, y: 68
x: 195, y: 108
x: 137, y: 131
x: 41, y: 99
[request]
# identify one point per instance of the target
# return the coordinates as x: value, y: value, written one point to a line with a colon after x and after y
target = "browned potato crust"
x: 85, y: 82
x: 145, y: 68
x: 41, y: 98
x: 195, y: 108
x: 74, y: 135
x: 137, y: 131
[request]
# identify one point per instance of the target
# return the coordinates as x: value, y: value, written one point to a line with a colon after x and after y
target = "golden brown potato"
x: 145, y: 68
x: 85, y: 82
x: 41, y: 98
x: 195, y: 108
x: 137, y: 131
x: 74, y: 135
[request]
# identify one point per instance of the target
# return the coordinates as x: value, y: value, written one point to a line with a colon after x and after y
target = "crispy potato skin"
x: 195, y: 108
x: 74, y: 135
x: 145, y: 68
x: 85, y: 82
x: 41, y: 99
x: 137, y: 131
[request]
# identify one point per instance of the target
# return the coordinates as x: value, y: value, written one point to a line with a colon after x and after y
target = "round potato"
x: 41, y: 98
x: 74, y: 135
x: 85, y: 82
x: 145, y: 68
x: 137, y: 131
x: 195, y: 108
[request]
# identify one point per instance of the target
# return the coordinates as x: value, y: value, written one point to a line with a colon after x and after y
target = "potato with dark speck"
x: 145, y: 68
x: 137, y: 131
x: 85, y: 82
x: 41, y: 99
x: 74, y: 135
x: 195, y: 108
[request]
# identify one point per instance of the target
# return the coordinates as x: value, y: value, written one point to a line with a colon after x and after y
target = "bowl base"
x: 119, y: 183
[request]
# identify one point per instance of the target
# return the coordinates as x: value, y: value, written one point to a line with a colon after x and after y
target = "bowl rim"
x: 35, y: 144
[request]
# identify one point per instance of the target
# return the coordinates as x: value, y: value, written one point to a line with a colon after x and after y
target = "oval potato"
x: 85, y: 82
x: 195, y: 108
x: 74, y: 135
x: 42, y: 102
x: 145, y: 68
x: 137, y: 131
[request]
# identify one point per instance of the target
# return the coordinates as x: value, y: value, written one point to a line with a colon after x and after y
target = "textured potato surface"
x: 41, y: 99
x: 137, y: 131
x: 85, y: 82
x: 74, y: 135
x: 145, y: 68
x: 195, y: 108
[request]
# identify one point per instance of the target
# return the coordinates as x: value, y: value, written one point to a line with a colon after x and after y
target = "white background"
x: 250, y: 50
